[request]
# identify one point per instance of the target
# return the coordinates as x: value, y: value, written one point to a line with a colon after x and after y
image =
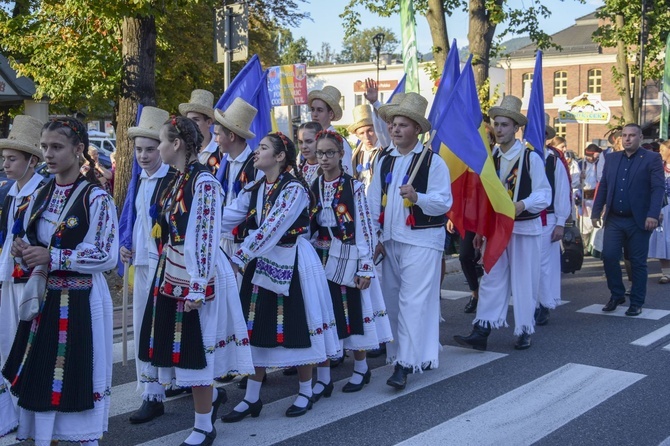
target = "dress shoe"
x: 169, y: 393
x: 335, y: 362
x: 243, y: 382
x: 295, y: 411
x: 471, y: 306
x: 221, y: 398
x: 224, y: 379
x: 290, y: 371
x: 477, y: 339
x: 326, y: 392
x: 522, y: 342
x: 350, y: 388
x: 377, y: 352
x: 399, y: 377
x: 147, y: 412
x: 634, y: 310
x: 253, y: 409
x: 613, y: 303
x: 542, y: 315
x: 209, y: 437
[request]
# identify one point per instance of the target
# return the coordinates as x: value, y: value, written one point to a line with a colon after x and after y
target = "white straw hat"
x: 384, y: 109
x: 510, y: 107
x: 331, y: 96
x: 24, y: 136
x: 362, y: 117
x: 152, y: 120
x: 413, y: 106
x: 238, y: 118
x: 202, y: 101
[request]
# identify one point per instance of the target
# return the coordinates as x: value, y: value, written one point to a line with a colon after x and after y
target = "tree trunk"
x: 438, y: 31
x: 138, y: 86
x: 627, y: 105
x: 480, y: 38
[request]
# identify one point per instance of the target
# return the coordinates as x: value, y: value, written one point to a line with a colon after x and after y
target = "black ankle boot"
x: 471, y: 306
x: 399, y: 377
x: 477, y: 339
x: 542, y: 315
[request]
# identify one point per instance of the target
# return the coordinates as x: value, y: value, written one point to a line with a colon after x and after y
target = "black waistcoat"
x: 345, y: 210
x: 246, y: 175
x: 550, y: 168
x: 524, y: 179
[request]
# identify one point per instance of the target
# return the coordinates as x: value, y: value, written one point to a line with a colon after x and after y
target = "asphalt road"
x: 588, y: 379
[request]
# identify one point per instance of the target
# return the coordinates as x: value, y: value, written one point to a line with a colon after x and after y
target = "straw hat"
x: 549, y: 131
x: 384, y: 109
x: 151, y: 122
x: 24, y: 136
x: 202, y: 101
x: 329, y: 95
x: 413, y: 106
x: 362, y: 117
x: 510, y: 107
x: 237, y: 118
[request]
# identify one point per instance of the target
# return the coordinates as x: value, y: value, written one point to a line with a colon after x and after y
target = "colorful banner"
x: 409, y: 51
x: 665, y: 99
x: 287, y: 84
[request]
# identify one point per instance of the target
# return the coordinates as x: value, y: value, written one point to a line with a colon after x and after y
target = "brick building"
x: 582, y: 66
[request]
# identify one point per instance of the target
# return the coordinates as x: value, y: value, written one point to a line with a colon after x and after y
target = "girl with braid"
x: 309, y: 166
x: 193, y: 329
x: 284, y: 291
x: 60, y: 365
x: 344, y: 238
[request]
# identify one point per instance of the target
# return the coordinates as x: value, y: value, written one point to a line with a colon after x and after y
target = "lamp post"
x: 378, y: 41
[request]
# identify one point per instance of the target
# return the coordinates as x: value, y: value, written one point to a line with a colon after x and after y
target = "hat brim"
x: 422, y: 121
x: 514, y: 116
x: 225, y: 122
x: 135, y: 132
x: 549, y: 132
x: 384, y: 110
x: 335, y: 106
x: 21, y: 147
x: 184, y: 109
x: 357, y: 125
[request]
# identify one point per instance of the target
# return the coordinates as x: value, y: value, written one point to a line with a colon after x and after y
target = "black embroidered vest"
x: 524, y: 179
x: 344, y: 207
x: 213, y: 162
x: 550, y: 168
x: 420, y: 183
x: 246, y: 175
x: 159, y: 191
x: 359, y: 156
x: 300, y: 226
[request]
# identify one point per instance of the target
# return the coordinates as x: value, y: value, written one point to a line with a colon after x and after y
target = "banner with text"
x: 287, y: 84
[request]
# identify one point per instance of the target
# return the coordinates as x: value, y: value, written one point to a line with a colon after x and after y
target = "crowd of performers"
x: 249, y: 258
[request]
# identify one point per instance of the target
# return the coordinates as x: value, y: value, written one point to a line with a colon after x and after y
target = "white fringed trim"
x: 432, y: 364
x: 524, y: 329
x: 491, y: 324
x: 157, y: 397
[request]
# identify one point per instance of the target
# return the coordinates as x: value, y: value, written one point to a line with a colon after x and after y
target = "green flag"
x: 409, y: 53
x: 665, y: 99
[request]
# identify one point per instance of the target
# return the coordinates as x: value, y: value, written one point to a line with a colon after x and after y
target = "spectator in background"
x: 104, y: 175
x: 587, y: 190
x: 559, y: 143
x: 659, y: 243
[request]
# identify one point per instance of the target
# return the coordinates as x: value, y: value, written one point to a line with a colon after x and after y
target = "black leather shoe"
x: 613, y: 303
x: 634, y: 310
x: 169, y: 393
x: 335, y: 362
x: 243, y: 382
x: 209, y: 437
x: 399, y: 377
x: 221, y: 398
x: 377, y: 352
x: 225, y: 379
x: 326, y: 392
x: 542, y: 315
x: 522, y: 342
x: 234, y: 416
x: 350, y: 388
x: 295, y: 411
x: 147, y: 412
x: 290, y: 371
x: 471, y: 306
x: 477, y: 339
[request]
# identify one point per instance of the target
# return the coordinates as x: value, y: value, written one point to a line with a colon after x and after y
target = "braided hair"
x: 337, y: 139
x: 75, y: 131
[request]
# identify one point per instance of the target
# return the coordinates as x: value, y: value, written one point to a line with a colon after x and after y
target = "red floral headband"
x: 329, y: 133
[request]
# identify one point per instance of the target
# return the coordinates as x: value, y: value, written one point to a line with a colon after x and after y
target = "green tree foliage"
x: 326, y: 56
x: 293, y: 51
x: 358, y: 47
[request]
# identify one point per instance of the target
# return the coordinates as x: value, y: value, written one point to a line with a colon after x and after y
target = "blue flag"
x: 127, y: 218
x: 534, y: 132
x: 450, y: 74
x: 400, y: 88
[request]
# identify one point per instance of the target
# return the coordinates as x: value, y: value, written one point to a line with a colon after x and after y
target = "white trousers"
x: 550, y: 267
x: 517, y: 272
x: 411, y: 289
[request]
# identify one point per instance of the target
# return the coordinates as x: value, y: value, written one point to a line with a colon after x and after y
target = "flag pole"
x: 124, y: 312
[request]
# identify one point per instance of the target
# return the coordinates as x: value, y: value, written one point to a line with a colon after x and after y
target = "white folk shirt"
x: 540, y: 195
x: 562, y: 191
x: 346, y: 160
x: 143, y: 244
x: 205, y: 153
x: 591, y: 171
x: 234, y: 166
x: 436, y: 201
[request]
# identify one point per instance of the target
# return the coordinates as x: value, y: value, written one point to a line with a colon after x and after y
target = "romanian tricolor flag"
x: 534, y: 131
x: 481, y: 203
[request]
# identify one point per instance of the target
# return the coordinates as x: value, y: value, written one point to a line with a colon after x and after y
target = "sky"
x: 326, y: 25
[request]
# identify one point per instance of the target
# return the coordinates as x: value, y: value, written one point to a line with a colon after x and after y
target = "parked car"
x: 103, y: 142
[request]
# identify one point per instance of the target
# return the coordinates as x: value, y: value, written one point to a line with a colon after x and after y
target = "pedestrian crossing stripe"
x: 528, y: 413
x: 647, y: 313
x: 654, y: 336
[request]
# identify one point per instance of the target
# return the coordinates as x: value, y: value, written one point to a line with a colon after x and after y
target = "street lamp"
x: 378, y: 41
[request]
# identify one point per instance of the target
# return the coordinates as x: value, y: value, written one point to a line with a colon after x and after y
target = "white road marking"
x: 647, y: 313
x: 652, y: 337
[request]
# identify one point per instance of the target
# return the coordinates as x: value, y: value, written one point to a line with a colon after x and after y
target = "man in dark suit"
x: 631, y: 192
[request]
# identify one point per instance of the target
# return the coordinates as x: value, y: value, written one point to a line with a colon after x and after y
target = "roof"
x: 576, y: 39
x: 23, y: 86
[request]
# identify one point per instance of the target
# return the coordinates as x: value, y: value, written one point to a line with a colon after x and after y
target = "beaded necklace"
x: 267, y: 205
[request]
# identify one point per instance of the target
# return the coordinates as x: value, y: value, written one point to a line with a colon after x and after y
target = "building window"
x: 358, y: 100
x: 560, y: 128
x: 342, y: 103
x: 595, y: 81
x: 526, y: 82
x: 561, y: 83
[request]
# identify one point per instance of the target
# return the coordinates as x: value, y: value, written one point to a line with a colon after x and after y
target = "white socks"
x: 323, y: 375
x: 202, y: 421
x: 252, y: 394
x: 305, y: 389
x: 360, y: 367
